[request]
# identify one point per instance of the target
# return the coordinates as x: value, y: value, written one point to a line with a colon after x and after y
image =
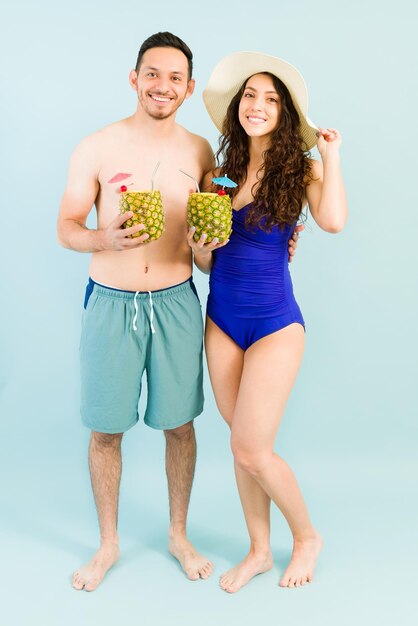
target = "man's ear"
x: 133, y: 79
x: 190, y: 87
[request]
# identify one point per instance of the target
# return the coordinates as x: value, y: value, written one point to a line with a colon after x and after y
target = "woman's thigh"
x: 269, y: 372
x: 225, y: 363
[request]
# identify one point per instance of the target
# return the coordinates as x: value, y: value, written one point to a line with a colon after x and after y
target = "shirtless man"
x: 141, y: 308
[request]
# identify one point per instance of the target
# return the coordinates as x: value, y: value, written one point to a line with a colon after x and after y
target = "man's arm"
x: 79, y: 197
x: 77, y: 202
x: 207, y: 162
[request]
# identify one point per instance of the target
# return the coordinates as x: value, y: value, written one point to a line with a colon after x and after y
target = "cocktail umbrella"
x: 224, y: 181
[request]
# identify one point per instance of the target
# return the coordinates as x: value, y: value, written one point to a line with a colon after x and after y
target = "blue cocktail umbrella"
x: 224, y: 181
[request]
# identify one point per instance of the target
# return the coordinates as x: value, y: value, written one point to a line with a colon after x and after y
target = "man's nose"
x: 162, y: 85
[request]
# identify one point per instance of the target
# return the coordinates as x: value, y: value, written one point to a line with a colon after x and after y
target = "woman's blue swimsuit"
x: 251, y: 292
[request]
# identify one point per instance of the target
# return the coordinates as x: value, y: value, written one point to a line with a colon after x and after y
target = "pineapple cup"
x: 147, y: 209
x: 211, y: 214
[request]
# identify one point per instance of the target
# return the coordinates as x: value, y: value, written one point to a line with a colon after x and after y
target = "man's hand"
x: 293, y: 242
x: 114, y: 237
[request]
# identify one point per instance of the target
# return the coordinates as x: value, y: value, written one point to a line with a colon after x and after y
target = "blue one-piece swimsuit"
x: 251, y: 292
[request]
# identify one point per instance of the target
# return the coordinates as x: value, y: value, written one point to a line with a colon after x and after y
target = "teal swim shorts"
x: 125, y: 333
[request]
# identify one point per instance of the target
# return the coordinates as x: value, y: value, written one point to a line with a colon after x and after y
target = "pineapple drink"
x: 210, y: 213
x: 147, y: 208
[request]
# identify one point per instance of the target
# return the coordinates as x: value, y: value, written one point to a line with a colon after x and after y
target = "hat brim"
x: 230, y: 73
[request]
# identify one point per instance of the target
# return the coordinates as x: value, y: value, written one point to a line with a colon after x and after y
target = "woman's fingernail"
x: 215, y: 240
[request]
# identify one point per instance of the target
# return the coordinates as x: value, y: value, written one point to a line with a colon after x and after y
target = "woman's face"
x: 259, y: 108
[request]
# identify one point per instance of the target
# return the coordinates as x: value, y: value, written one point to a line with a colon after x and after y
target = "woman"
x: 254, y: 329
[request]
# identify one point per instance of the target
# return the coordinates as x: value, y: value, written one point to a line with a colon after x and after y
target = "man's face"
x: 162, y: 82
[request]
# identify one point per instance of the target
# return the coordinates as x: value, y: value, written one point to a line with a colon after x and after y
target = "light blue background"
x: 350, y: 429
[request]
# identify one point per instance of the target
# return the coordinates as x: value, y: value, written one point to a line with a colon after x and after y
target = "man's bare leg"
x: 180, y: 466
x: 105, y: 470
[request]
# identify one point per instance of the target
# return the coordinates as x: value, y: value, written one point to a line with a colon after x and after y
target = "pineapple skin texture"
x: 147, y: 207
x: 210, y: 214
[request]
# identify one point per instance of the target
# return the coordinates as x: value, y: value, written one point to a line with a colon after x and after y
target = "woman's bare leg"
x: 269, y: 372
x: 225, y: 363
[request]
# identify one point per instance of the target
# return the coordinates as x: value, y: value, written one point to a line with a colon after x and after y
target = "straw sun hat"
x: 233, y: 70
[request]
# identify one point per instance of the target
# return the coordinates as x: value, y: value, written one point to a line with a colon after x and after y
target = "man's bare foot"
x: 91, y: 575
x: 302, y: 564
x: 238, y: 576
x: 194, y: 565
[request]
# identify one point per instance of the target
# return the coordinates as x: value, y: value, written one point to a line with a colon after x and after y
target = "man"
x: 142, y: 310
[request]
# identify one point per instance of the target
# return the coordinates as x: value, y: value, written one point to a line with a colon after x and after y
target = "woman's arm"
x: 326, y: 193
x: 202, y: 252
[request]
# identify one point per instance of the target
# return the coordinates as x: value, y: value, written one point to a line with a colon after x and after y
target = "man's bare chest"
x: 154, y: 171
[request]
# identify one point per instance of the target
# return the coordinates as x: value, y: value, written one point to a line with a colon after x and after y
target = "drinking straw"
x: 193, y: 178
x: 153, y: 175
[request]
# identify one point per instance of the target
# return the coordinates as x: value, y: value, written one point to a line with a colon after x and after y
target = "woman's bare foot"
x: 302, y: 564
x: 238, y: 576
x: 91, y: 575
x: 194, y: 565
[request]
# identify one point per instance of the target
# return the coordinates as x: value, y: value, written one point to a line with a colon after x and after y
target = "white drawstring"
x: 152, y: 313
x: 136, y: 311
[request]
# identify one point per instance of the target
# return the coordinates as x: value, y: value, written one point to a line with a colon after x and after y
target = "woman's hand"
x: 200, y: 247
x: 202, y: 251
x: 329, y: 141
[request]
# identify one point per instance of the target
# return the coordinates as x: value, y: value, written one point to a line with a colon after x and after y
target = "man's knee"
x: 106, y: 440
x: 185, y: 431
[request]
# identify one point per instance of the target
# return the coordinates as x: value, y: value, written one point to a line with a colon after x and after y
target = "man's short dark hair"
x: 165, y: 40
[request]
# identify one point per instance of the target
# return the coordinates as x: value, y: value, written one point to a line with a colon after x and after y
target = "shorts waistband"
x: 111, y: 292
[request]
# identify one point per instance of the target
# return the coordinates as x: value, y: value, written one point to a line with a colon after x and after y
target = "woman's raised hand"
x: 329, y: 140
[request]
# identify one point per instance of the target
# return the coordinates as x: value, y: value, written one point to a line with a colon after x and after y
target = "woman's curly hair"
x: 279, y: 191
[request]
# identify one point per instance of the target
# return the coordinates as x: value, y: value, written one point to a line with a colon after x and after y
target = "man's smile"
x: 160, y: 99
